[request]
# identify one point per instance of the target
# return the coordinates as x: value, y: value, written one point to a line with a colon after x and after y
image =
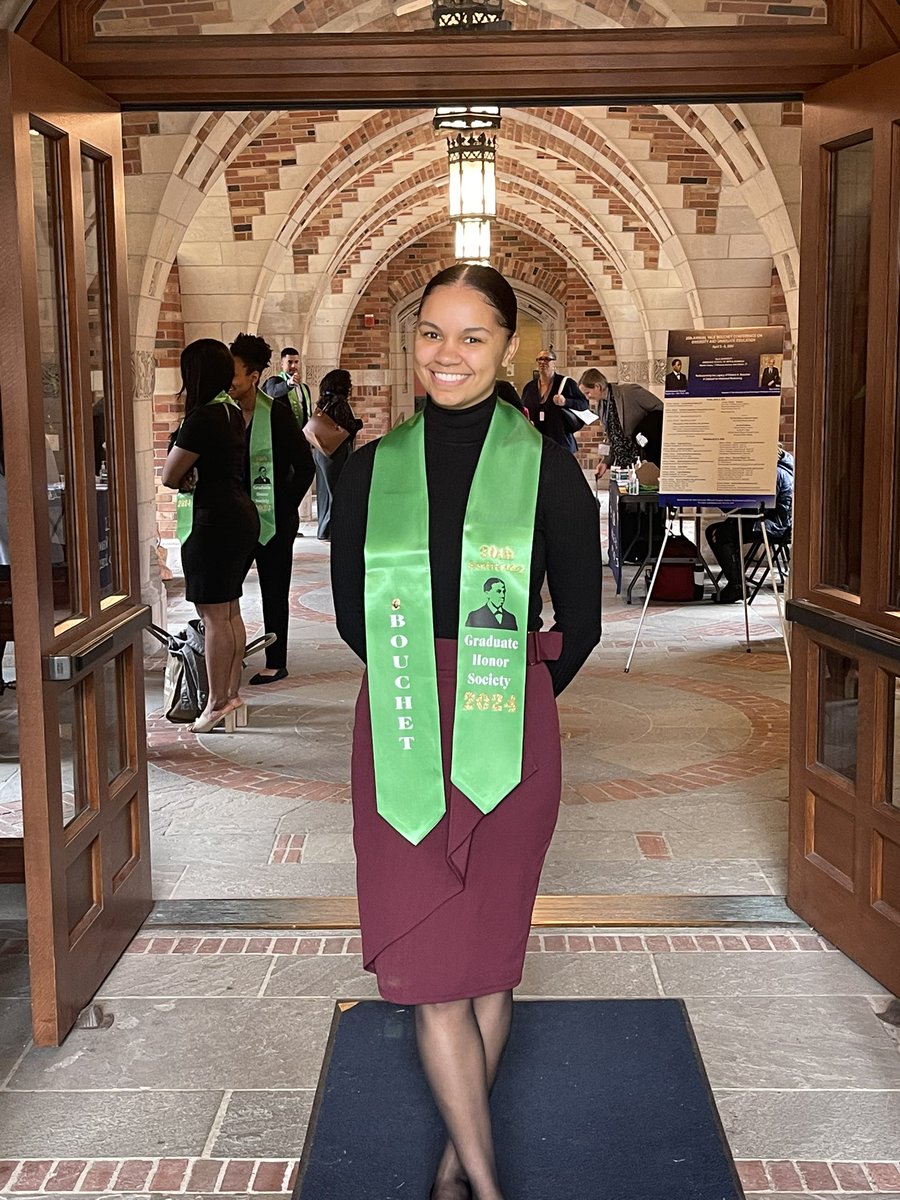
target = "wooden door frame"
x: 597, y: 66
x: 66, y: 961
x: 841, y: 829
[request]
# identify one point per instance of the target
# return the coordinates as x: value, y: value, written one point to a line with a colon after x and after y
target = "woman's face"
x: 245, y: 381
x: 460, y: 346
x: 546, y: 365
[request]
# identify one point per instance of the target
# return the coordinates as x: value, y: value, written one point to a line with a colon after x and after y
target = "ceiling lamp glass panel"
x: 473, y: 241
x: 472, y: 189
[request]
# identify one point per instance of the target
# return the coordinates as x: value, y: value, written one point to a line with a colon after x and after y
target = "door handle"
x: 59, y: 667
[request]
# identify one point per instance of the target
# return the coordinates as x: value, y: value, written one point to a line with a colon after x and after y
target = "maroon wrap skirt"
x: 449, y: 918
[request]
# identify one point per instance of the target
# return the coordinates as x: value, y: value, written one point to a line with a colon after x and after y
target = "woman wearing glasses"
x: 547, y: 399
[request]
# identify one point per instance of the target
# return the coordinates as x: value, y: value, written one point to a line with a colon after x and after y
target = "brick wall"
x: 136, y: 125
x: 135, y: 19
x: 256, y: 169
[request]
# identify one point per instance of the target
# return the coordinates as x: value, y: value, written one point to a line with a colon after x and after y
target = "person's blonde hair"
x: 592, y: 378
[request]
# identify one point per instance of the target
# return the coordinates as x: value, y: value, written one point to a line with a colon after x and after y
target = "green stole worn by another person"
x: 299, y: 400
x: 262, y: 466
x: 184, y: 501
x: 498, y: 532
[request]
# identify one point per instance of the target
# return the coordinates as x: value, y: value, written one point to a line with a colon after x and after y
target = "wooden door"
x: 69, y: 458
x: 844, y: 872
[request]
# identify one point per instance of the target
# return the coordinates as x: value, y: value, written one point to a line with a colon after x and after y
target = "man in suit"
x: 676, y: 380
x: 288, y: 386
x: 771, y: 377
x: 493, y: 614
x: 638, y: 411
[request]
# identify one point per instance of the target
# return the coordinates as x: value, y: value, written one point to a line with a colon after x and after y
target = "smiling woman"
x: 454, y: 519
x: 463, y: 339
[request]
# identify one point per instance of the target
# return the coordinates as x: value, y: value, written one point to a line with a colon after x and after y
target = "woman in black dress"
x: 207, y: 460
x: 334, y: 400
x: 445, y: 910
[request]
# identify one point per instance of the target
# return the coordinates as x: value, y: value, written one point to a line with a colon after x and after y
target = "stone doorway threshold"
x: 340, y: 912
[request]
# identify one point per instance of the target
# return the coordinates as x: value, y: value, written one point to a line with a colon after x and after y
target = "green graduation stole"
x: 184, y: 501
x: 299, y: 400
x: 262, y: 466
x: 493, y: 616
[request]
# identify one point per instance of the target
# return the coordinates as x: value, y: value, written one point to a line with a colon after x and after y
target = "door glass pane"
x: 845, y: 363
x: 838, y: 712
x: 71, y: 753
x: 10, y: 778
x: 54, y: 375
x: 96, y: 254
x: 114, y: 677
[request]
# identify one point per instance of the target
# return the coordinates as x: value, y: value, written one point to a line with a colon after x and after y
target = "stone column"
x: 152, y: 590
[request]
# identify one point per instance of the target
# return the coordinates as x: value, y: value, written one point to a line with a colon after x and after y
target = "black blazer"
x: 546, y: 415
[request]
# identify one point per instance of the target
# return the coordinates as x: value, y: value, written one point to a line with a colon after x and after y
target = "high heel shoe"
x: 207, y: 724
x: 240, y: 715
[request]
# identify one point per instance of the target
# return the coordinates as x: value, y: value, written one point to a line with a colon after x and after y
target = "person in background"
x: 220, y: 528
x: 446, y: 891
x: 724, y: 537
x: 287, y: 385
x: 334, y: 401
x: 278, y: 473
x: 593, y: 385
x: 627, y: 409
x: 546, y: 397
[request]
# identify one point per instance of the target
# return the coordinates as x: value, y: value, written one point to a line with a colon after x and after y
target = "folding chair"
x: 756, y: 566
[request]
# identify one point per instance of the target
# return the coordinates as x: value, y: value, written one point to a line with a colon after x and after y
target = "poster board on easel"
x: 721, y: 421
x: 721, y: 417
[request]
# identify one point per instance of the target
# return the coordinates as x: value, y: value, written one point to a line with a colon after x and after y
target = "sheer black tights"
x: 460, y: 1045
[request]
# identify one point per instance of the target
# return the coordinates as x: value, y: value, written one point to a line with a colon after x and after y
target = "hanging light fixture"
x: 467, y: 119
x: 468, y: 14
x: 472, y: 153
x: 472, y: 193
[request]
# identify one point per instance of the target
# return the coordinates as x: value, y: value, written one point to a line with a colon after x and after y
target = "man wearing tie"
x: 492, y: 615
x: 676, y: 380
x: 771, y: 377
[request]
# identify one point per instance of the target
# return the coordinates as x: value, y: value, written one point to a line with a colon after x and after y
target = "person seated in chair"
x: 724, y: 536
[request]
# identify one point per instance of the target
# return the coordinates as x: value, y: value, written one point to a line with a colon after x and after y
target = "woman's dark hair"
x: 490, y: 283
x: 254, y: 352
x: 207, y: 369
x: 335, y: 383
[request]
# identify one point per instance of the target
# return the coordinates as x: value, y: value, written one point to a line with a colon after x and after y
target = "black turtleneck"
x: 566, y: 545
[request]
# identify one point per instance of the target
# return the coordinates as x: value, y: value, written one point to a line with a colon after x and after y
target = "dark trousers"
x: 274, y: 564
x: 723, y: 539
x: 328, y: 471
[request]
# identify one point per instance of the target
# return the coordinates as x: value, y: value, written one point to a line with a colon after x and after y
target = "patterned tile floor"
x: 675, y: 782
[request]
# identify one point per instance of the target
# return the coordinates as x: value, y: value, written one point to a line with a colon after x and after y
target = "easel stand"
x: 741, y: 515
